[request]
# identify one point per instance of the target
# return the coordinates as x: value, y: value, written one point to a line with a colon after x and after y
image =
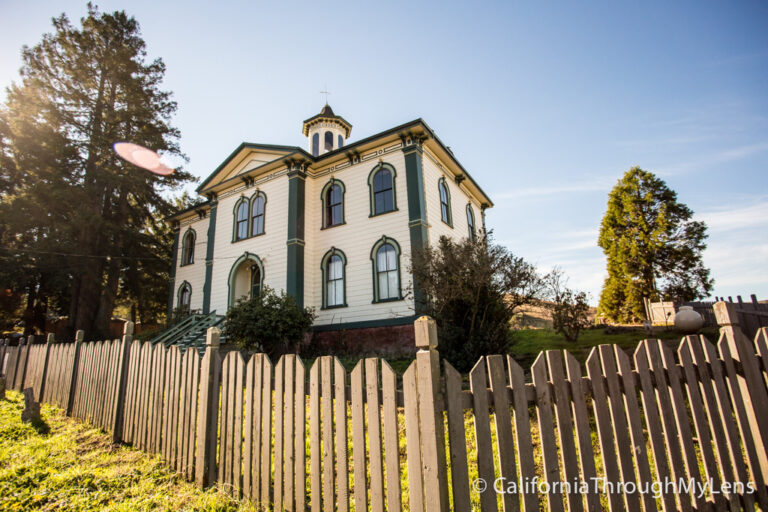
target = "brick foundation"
x: 386, y: 341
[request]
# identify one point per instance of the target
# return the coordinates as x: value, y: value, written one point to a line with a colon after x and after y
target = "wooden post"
x: 431, y: 424
x: 208, y: 410
x: 750, y: 381
x: 3, y: 350
x: 79, y: 336
x: 21, y: 369
x: 44, y: 372
x: 118, y: 405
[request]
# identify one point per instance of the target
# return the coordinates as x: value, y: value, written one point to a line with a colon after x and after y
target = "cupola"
x: 326, y: 131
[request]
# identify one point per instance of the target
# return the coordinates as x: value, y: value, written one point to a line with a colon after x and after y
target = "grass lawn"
x: 529, y: 342
x: 65, y: 464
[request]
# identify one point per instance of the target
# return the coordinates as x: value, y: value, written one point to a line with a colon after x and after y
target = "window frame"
x: 324, y: 273
x: 385, y: 240
x: 328, y: 140
x: 442, y: 184
x: 184, y: 261
x: 324, y: 202
x: 471, y: 222
x: 316, y: 144
x: 372, y: 195
x: 180, y: 292
x: 235, y: 221
x: 251, y: 216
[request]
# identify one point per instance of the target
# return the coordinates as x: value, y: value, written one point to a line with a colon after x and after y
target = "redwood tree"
x: 653, y: 247
x: 76, y: 218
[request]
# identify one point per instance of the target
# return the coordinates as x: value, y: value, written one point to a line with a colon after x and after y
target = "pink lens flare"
x: 142, y: 157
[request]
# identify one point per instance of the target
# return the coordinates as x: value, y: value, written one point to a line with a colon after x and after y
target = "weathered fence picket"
x: 280, y: 435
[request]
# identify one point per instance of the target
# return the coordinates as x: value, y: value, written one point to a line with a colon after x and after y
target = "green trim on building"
x: 248, y: 256
x: 294, y: 285
x: 363, y: 324
x: 184, y: 247
x: 417, y: 213
x: 324, y: 201
x: 371, y: 175
x: 375, y: 270
x: 209, y: 258
x: 172, y: 284
x: 442, y: 184
x: 324, y: 273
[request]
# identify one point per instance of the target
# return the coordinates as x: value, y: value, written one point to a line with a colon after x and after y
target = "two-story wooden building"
x: 334, y: 226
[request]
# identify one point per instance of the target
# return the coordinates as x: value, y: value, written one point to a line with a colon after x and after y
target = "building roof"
x: 326, y: 114
x: 295, y: 152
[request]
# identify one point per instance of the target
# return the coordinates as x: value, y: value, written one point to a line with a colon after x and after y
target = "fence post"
x: 431, y: 424
x: 22, y: 367
x: 3, y: 351
x: 750, y: 382
x: 79, y: 336
x: 208, y: 410
x: 44, y: 372
x: 122, y: 381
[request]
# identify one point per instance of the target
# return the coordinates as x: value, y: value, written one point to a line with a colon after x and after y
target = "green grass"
x: 529, y: 342
x: 65, y: 464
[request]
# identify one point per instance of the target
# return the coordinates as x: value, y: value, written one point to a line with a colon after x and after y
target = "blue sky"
x: 546, y: 104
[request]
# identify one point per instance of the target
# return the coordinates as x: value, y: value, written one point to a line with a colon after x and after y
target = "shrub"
x: 569, y: 308
x: 272, y: 323
x: 472, y: 289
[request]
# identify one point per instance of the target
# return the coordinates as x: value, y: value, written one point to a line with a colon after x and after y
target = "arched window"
x: 334, y: 274
x: 386, y: 270
x: 381, y: 182
x: 316, y: 144
x: 333, y: 203
x: 328, y: 141
x: 241, y: 219
x: 445, y: 202
x: 188, y: 248
x: 185, y: 295
x: 258, y: 204
x: 471, y: 222
x: 255, y: 280
x: 341, y: 142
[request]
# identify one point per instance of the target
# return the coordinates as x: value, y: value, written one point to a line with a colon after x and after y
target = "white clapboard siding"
x: 194, y: 274
x: 356, y: 239
x: 270, y: 247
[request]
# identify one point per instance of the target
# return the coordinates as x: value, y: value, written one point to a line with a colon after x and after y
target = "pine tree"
x: 75, y: 216
x: 652, y: 245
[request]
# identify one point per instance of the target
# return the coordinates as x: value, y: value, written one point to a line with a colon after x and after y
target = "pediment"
x: 244, y: 159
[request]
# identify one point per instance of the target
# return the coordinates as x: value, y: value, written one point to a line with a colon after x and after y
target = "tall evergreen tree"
x: 652, y: 245
x: 76, y: 218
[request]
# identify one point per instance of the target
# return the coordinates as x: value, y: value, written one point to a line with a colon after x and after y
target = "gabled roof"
x: 282, y: 150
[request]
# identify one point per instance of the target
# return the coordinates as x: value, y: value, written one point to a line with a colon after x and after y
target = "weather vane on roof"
x: 326, y: 94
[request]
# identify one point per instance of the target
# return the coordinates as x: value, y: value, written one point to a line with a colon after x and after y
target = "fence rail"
x: 320, y: 438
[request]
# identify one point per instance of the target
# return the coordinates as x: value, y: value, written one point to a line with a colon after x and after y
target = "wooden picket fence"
x: 322, y: 439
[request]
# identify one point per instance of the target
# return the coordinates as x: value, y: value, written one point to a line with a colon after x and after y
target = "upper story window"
x: 334, y: 289
x: 386, y: 270
x: 333, y: 203
x: 316, y: 144
x: 445, y: 202
x: 382, y: 188
x: 258, y: 204
x: 341, y: 142
x: 241, y: 219
x: 328, y: 141
x: 188, y: 248
x: 471, y: 222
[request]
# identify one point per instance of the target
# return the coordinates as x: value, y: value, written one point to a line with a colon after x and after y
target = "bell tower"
x: 326, y: 131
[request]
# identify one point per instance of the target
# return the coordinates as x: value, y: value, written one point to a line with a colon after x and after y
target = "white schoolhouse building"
x: 334, y: 225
